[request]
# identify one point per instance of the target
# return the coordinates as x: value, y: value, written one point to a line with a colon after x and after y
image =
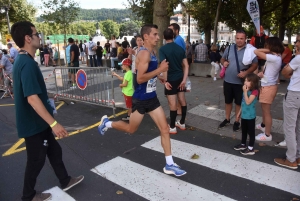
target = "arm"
x: 185, y: 73
x: 142, y: 62
x: 118, y: 76
x: 124, y: 84
x: 252, y: 68
x: 287, y: 71
x: 249, y: 99
x: 40, y: 109
x: 261, y: 53
x: 72, y: 56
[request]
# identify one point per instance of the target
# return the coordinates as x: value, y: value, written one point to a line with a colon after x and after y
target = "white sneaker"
x: 73, y: 87
x: 263, y: 137
x: 258, y: 126
x: 215, y: 79
x: 282, y: 144
x: 179, y: 125
x: 173, y: 130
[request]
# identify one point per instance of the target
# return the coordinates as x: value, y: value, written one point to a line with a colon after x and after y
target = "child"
x: 127, y: 87
x: 248, y: 113
x: 272, y: 54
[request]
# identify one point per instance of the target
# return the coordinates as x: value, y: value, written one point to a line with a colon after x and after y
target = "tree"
x: 108, y: 28
x: 128, y: 28
x: 143, y: 9
x: 62, y: 12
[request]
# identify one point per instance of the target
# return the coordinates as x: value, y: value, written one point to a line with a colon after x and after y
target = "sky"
x: 93, y: 4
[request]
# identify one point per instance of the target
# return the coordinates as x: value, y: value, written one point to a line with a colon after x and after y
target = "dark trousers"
x: 248, y: 127
x: 93, y: 63
x: 99, y: 61
x: 42, y: 58
x: 38, y: 147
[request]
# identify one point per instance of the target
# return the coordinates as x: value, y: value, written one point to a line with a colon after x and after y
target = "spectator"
x: 113, y: 44
x: 201, y: 53
x: 91, y: 52
x: 68, y: 58
x: 13, y: 52
x: 189, y: 53
x: 82, y: 50
x: 286, y: 55
x: 46, y: 55
x: 233, y: 84
x: 291, y: 111
x: 215, y: 58
x: 48, y: 42
x: 55, y: 56
x: 8, y: 68
x: 272, y: 54
x: 107, y: 48
x: 133, y: 41
x: 99, y: 53
x: 177, y: 38
x: 118, y: 55
x: 41, y: 49
x: 125, y: 43
x: 74, y: 60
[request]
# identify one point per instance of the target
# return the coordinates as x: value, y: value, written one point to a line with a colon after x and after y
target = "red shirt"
x: 288, y: 56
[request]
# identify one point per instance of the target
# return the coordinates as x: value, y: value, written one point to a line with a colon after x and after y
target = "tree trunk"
x: 284, y: 17
x: 161, y: 18
x: 216, y: 22
x: 207, y: 33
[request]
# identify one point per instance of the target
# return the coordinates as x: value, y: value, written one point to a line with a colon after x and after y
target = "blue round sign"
x: 81, y: 79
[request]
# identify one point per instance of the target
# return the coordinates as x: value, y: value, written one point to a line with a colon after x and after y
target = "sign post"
x: 81, y: 79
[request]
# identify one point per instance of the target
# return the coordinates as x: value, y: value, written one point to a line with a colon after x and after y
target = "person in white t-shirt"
x: 272, y: 54
x: 48, y: 42
x: 291, y: 112
x: 92, y: 53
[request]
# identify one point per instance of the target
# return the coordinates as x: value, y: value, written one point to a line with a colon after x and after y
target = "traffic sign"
x: 81, y: 79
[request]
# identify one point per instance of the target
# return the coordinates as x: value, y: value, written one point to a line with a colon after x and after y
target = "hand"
x: 114, y: 73
x: 245, y: 88
x: 168, y: 86
x: 242, y: 74
x: 72, y: 64
x: 120, y: 85
x: 161, y: 79
x: 226, y: 64
x: 60, y: 131
x: 260, y: 74
x: 182, y: 85
x: 164, y: 66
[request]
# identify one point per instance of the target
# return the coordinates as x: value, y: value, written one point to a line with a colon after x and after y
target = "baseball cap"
x: 126, y: 62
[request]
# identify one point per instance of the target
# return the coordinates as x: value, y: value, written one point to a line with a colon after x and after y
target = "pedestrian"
x: 145, y: 100
x: 46, y: 55
x: 91, y: 52
x: 133, y: 42
x: 235, y: 72
x: 68, y: 60
x: 126, y: 86
x: 55, y: 56
x: 132, y: 56
x: 291, y: 112
x: 13, y: 52
x: 82, y: 50
x: 286, y: 55
x: 74, y: 61
x: 247, y: 114
x: 125, y: 43
x: 99, y: 53
x: 272, y: 54
x: 215, y: 58
x: 8, y: 68
x: 119, y: 55
x: 189, y: 53
x: 113, y: 45
x: 30, y: 95
x: 201, y: 53
x: 107, y: 48
x: 41, y: 49
x: 174, y: 79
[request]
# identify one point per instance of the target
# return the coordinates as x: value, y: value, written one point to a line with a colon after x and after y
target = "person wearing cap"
x: 127, y: 86
x: 13, y: 52
x: 8, y: 68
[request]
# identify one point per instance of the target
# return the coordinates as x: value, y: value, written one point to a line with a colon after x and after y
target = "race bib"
x: 151, y: 85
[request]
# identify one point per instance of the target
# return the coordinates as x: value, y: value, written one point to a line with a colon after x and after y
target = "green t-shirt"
x: 28, y: 80
x: 174, y: 54
x: 128, y: 90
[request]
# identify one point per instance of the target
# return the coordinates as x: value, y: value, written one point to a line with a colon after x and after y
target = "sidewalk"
x: 205, y: 105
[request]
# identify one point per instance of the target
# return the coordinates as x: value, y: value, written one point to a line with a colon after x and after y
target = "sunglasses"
x: 36, y: 34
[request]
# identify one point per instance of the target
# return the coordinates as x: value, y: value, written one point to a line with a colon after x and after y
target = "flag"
x: 253, y: 10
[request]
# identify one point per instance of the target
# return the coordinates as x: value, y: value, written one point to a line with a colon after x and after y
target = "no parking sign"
x: 81, y: 79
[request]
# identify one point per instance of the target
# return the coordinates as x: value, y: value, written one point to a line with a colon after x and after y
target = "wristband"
x: 53, y: 124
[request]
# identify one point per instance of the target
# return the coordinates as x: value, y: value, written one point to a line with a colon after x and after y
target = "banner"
x: 253, y: 10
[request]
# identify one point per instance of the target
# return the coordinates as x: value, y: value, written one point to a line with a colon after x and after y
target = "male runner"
x: 145, y: 98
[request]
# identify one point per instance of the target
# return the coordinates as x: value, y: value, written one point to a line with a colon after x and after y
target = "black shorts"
x: 76, y: 65
x: 145, y: 106
x: 233, y: 91
x: 174, y: 90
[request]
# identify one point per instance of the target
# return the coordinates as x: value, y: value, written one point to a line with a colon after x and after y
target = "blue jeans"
x: 99, y: 61
x: 112, y: 61
x: 93, y: 62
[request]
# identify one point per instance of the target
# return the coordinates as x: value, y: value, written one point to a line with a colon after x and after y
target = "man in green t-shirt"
x: 34, y: 115
x: 175, y: 79
x: 127, y: 85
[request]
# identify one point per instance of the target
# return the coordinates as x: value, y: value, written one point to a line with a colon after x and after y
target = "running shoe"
x: 173, y: 130
x: 259, y: 127
x: 247, y: 151
x: 263, y: 137
x: 174, y: 169
x: 224, y: 123
x: 240, y: 147
x: 179, y: 125
x: 282, y: 144
x: 102, y: 128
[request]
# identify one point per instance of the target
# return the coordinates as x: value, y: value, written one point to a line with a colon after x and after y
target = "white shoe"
x: 173, y: 130
x: 215, y: 79
x: 258, y: 126
x: 263, y: 137
x: 73, y: 87
x: 179, y: 125
x: 282, y: 144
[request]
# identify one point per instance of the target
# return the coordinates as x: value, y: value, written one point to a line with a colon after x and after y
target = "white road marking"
x: 270, y: 175
x: 58, y: 194
x: 151, y: 184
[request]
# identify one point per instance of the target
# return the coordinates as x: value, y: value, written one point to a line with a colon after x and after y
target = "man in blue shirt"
x: 177, y: 39
x: 13, y: 52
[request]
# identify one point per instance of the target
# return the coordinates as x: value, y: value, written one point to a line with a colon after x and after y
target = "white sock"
x: 108, y: 124
x: 169, y: 160
x: 250, y: 148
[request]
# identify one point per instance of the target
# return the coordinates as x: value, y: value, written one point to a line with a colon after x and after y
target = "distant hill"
x: 102, y: 14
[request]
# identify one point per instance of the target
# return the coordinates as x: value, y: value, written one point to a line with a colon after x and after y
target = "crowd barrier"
x: 93, y: 85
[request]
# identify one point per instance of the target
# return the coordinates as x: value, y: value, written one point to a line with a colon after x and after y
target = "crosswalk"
x: 154, y: 185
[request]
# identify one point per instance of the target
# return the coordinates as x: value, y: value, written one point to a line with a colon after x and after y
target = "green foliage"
x: 128, y: 28
x: 108, y: 28
x: 18, y: 10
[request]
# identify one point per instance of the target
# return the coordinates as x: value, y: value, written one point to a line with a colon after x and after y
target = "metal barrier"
x: 93, y: 85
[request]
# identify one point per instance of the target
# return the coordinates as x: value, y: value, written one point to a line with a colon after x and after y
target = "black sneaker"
x: 224, y: 123
x: 236, y: 126
x: 240, y: 147
x: 247, y: 151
